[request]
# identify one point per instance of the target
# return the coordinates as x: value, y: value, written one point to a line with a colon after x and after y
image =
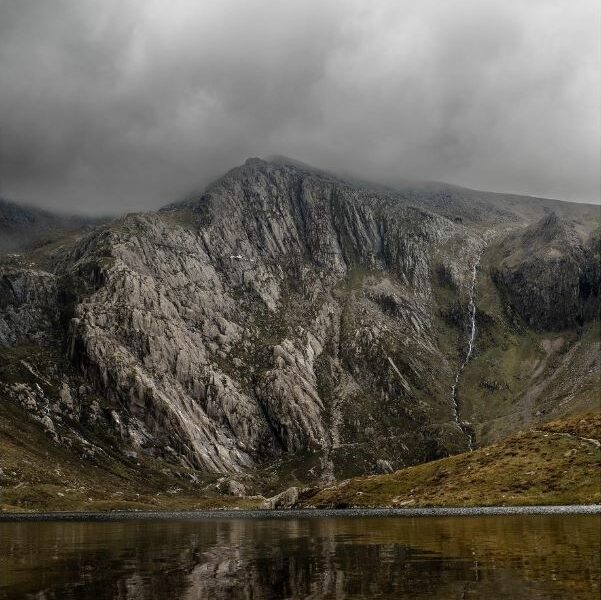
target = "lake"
x: 510, y: 556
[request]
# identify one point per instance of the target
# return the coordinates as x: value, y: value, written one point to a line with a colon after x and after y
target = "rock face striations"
x: 286, y: 314
x: 280, y: 312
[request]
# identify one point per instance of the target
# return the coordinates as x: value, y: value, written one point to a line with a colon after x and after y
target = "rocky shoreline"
x: 576, y: 509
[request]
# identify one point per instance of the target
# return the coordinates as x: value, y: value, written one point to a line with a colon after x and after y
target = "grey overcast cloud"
x: 108, y: 106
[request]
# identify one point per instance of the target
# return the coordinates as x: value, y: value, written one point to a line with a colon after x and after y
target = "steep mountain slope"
x: 295, y: 326
x: 539, y: 345
x: 551, y: 275
x: 556, y: 464
x: 280, y: 312
x: 58, y: 471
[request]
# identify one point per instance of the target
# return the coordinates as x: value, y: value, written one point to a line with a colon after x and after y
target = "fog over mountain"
x: 112, y: 106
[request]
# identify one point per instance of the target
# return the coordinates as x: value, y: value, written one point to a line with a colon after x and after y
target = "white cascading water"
x: 470, y: 348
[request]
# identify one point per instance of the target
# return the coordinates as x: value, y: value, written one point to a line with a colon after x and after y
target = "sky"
x: 109, y: 106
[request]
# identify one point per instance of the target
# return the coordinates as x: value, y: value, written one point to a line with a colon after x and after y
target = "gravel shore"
x: 302, y: 514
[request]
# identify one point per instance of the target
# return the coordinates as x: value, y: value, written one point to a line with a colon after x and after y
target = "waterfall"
x: 470, y: 348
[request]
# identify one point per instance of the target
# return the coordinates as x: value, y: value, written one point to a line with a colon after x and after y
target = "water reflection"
x: 511, y: 557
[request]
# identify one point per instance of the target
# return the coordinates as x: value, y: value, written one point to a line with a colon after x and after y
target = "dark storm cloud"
x: 110, y: 105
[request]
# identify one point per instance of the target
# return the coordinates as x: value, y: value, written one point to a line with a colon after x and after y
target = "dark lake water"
x: 514, y: 557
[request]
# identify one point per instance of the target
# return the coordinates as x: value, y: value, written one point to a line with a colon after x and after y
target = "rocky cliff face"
x: 29, y: 308
x: 282, y: 319
x: 551, y: 274
x: 281, y: 312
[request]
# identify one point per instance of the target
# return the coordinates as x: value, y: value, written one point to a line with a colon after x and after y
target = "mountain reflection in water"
x: 513, y: 557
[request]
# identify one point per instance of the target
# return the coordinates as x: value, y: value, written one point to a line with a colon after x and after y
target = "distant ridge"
x: 451, y: 201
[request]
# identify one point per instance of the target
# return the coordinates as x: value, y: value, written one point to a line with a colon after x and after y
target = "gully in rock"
x: 470, y: 348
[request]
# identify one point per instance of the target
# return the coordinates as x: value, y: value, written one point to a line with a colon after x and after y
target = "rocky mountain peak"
x: 287, y: 316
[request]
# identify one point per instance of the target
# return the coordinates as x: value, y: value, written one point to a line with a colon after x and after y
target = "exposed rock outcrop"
x: 551, y: 274
x: 29, y: 309
x: 286, y: 499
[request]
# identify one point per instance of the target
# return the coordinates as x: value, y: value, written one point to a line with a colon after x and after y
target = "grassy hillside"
x: 558, y: 463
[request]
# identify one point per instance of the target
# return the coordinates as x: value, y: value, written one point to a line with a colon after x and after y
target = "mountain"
x: 23, y: 226
x: 287, y: 326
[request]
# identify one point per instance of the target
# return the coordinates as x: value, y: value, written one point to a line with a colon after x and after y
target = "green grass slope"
x: 558, y: 463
